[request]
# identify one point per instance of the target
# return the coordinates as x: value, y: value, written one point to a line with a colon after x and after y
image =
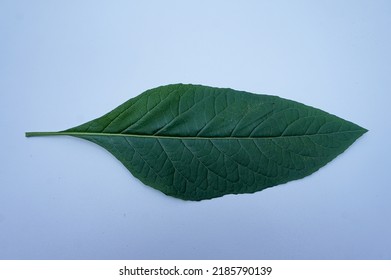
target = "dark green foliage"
x: 196, y: 142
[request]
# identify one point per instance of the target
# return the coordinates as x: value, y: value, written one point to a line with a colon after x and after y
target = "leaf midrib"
x: 80, y: 134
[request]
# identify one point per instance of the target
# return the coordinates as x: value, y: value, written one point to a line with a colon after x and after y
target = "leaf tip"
x: 364, y: 130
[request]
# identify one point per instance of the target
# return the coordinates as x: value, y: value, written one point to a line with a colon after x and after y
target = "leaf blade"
x: 198, y: 142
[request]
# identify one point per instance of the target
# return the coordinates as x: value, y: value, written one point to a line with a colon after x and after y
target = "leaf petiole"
x: 33, y: 134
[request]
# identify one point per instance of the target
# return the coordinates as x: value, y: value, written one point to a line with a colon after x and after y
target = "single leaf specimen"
x: 197, y: 142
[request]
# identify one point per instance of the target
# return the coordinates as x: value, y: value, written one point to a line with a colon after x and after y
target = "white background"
x: 63, y: 63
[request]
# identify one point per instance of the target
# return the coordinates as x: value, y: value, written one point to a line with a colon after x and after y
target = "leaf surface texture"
x: 196, y: 142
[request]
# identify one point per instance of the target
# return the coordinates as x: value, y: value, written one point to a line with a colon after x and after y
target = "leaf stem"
x: 33, y: 134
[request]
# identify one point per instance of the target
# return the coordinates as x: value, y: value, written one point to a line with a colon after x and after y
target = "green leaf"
x: 196, y: 142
